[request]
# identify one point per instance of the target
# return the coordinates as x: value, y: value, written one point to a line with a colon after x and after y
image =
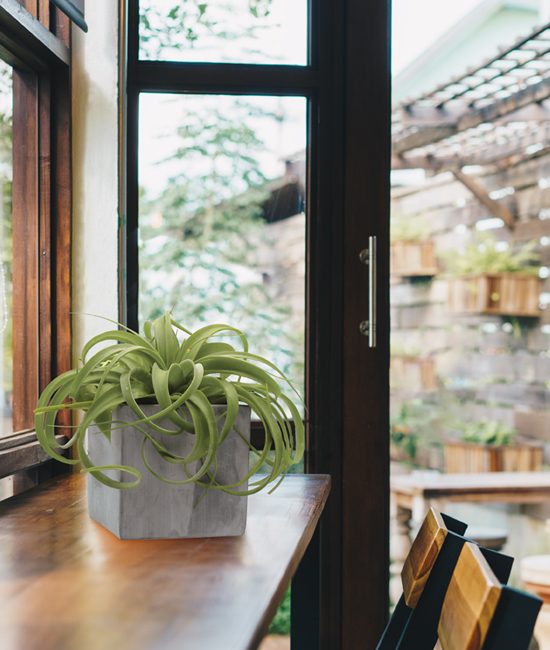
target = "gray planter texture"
x: 157, y: 510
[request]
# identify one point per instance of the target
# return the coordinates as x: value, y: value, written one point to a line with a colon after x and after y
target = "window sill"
x: 192, y: 593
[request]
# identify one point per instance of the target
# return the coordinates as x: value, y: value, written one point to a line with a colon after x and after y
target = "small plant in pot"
x: 168, y: 426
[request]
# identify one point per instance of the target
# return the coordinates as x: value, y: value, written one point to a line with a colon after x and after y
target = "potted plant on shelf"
x: 411, y: 372
x: 411, y: 252
x: 413, y: 434
x: 168, y: 426
x: 488, y: 280
x: 491, y: 446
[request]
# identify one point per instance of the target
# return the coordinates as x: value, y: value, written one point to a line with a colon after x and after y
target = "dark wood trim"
x: 122, y: 160
x: 25, y: 248
x: 31, y: 6
x: 61, y: 225
x: 44, y: 13
x: 60, y: 26
x: 24, y: 456
x: 26, y: 41
x: 41, y: 242
x: 365, y: 502
x: 44, y: 229
x: 235, y: 78
x: 21, y: 438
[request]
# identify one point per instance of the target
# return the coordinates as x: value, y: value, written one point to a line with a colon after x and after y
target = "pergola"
x: 493, y: 115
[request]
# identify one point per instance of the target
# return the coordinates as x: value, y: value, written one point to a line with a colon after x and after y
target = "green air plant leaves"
x: 184, y: 379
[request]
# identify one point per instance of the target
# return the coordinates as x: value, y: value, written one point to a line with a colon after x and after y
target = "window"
x: 35, y: 225
x: 341, y: 73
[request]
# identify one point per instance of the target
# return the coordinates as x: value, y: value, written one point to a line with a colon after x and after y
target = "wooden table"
x: 413, y: 494
x: 66, y: 583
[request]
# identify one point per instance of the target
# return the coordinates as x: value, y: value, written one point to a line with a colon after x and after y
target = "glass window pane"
x: 222, y: 217
x: 224, y: 31
x: 6, y: 361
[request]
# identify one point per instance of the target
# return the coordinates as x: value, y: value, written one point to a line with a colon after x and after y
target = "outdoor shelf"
x: 66, y: 582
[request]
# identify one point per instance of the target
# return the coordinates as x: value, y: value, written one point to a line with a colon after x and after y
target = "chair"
x: 426, y: 576
x: 479, y: 612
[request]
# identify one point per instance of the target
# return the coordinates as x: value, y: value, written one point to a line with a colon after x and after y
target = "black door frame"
x: 340, y: 597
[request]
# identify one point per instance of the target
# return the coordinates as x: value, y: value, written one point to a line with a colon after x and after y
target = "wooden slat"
x: 422, y: 556
x: 25, y: 249
x: 72, y: 584
x: 470, y: 603
x: 45, y: 240
x: 61, y: 227
x: 22, y: 457
x: 31, y: 6
x: 421, y: 138
x: 44, y: 13
x: 60, y: 25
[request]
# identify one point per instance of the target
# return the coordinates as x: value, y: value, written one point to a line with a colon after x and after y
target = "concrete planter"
x: 157, y: 510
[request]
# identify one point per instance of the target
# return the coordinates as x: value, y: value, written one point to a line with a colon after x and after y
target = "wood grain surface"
x: 66, y: 582
x: 422, y: 556
x: 470, y: 603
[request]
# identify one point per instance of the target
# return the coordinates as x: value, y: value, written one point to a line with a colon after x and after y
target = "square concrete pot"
x: 158, y: 510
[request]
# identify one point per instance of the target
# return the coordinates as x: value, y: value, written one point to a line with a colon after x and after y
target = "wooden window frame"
x: 35, y: 41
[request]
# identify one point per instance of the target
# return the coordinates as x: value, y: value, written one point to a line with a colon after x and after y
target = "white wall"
x: 95, y: 171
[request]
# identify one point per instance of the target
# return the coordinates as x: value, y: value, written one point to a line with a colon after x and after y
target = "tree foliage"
x: 200, y: 238
x: 167, y: 28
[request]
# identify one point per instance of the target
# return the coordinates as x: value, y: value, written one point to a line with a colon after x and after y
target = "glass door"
x: 257, y: 169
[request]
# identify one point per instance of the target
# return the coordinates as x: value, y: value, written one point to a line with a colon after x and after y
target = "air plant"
x: 184, y: 378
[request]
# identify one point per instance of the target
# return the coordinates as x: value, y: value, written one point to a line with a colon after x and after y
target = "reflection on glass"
x: 6, y: 360
x: 222, y: 223
x: 222, y: 31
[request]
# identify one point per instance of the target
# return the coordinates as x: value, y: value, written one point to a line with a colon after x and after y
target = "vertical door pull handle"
x: 368, y: 327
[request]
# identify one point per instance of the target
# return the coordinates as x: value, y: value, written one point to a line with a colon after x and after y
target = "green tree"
x: 191, y: 24
x: 200, y: 238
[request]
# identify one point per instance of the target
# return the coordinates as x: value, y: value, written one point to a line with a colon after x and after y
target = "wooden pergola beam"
x: 512, y: 152
x: 494, y: 207
x: 437, y: 127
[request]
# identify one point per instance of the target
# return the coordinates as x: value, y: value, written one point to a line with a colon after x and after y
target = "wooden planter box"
x: 412, y: 374
x: 410, y: 258
x: 468, y: 457
x: 511, y: 294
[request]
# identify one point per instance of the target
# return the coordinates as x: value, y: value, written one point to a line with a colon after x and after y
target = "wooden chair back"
x: 470, y: 603
x: 479, y: 612
x: 416, y: 615
x: 422, y: 556
x: 426, y: 575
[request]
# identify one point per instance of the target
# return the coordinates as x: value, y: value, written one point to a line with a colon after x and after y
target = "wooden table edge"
x: 250, y: 638
x: 286, y: 578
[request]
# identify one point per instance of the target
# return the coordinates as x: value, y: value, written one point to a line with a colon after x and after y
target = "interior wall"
x: 95, y: 171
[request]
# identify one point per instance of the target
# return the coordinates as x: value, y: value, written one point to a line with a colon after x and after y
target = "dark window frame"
x: 35, y: 41
x: 340, y: 592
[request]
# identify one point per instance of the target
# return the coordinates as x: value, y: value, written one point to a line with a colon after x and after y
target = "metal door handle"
x: 368, y: 327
